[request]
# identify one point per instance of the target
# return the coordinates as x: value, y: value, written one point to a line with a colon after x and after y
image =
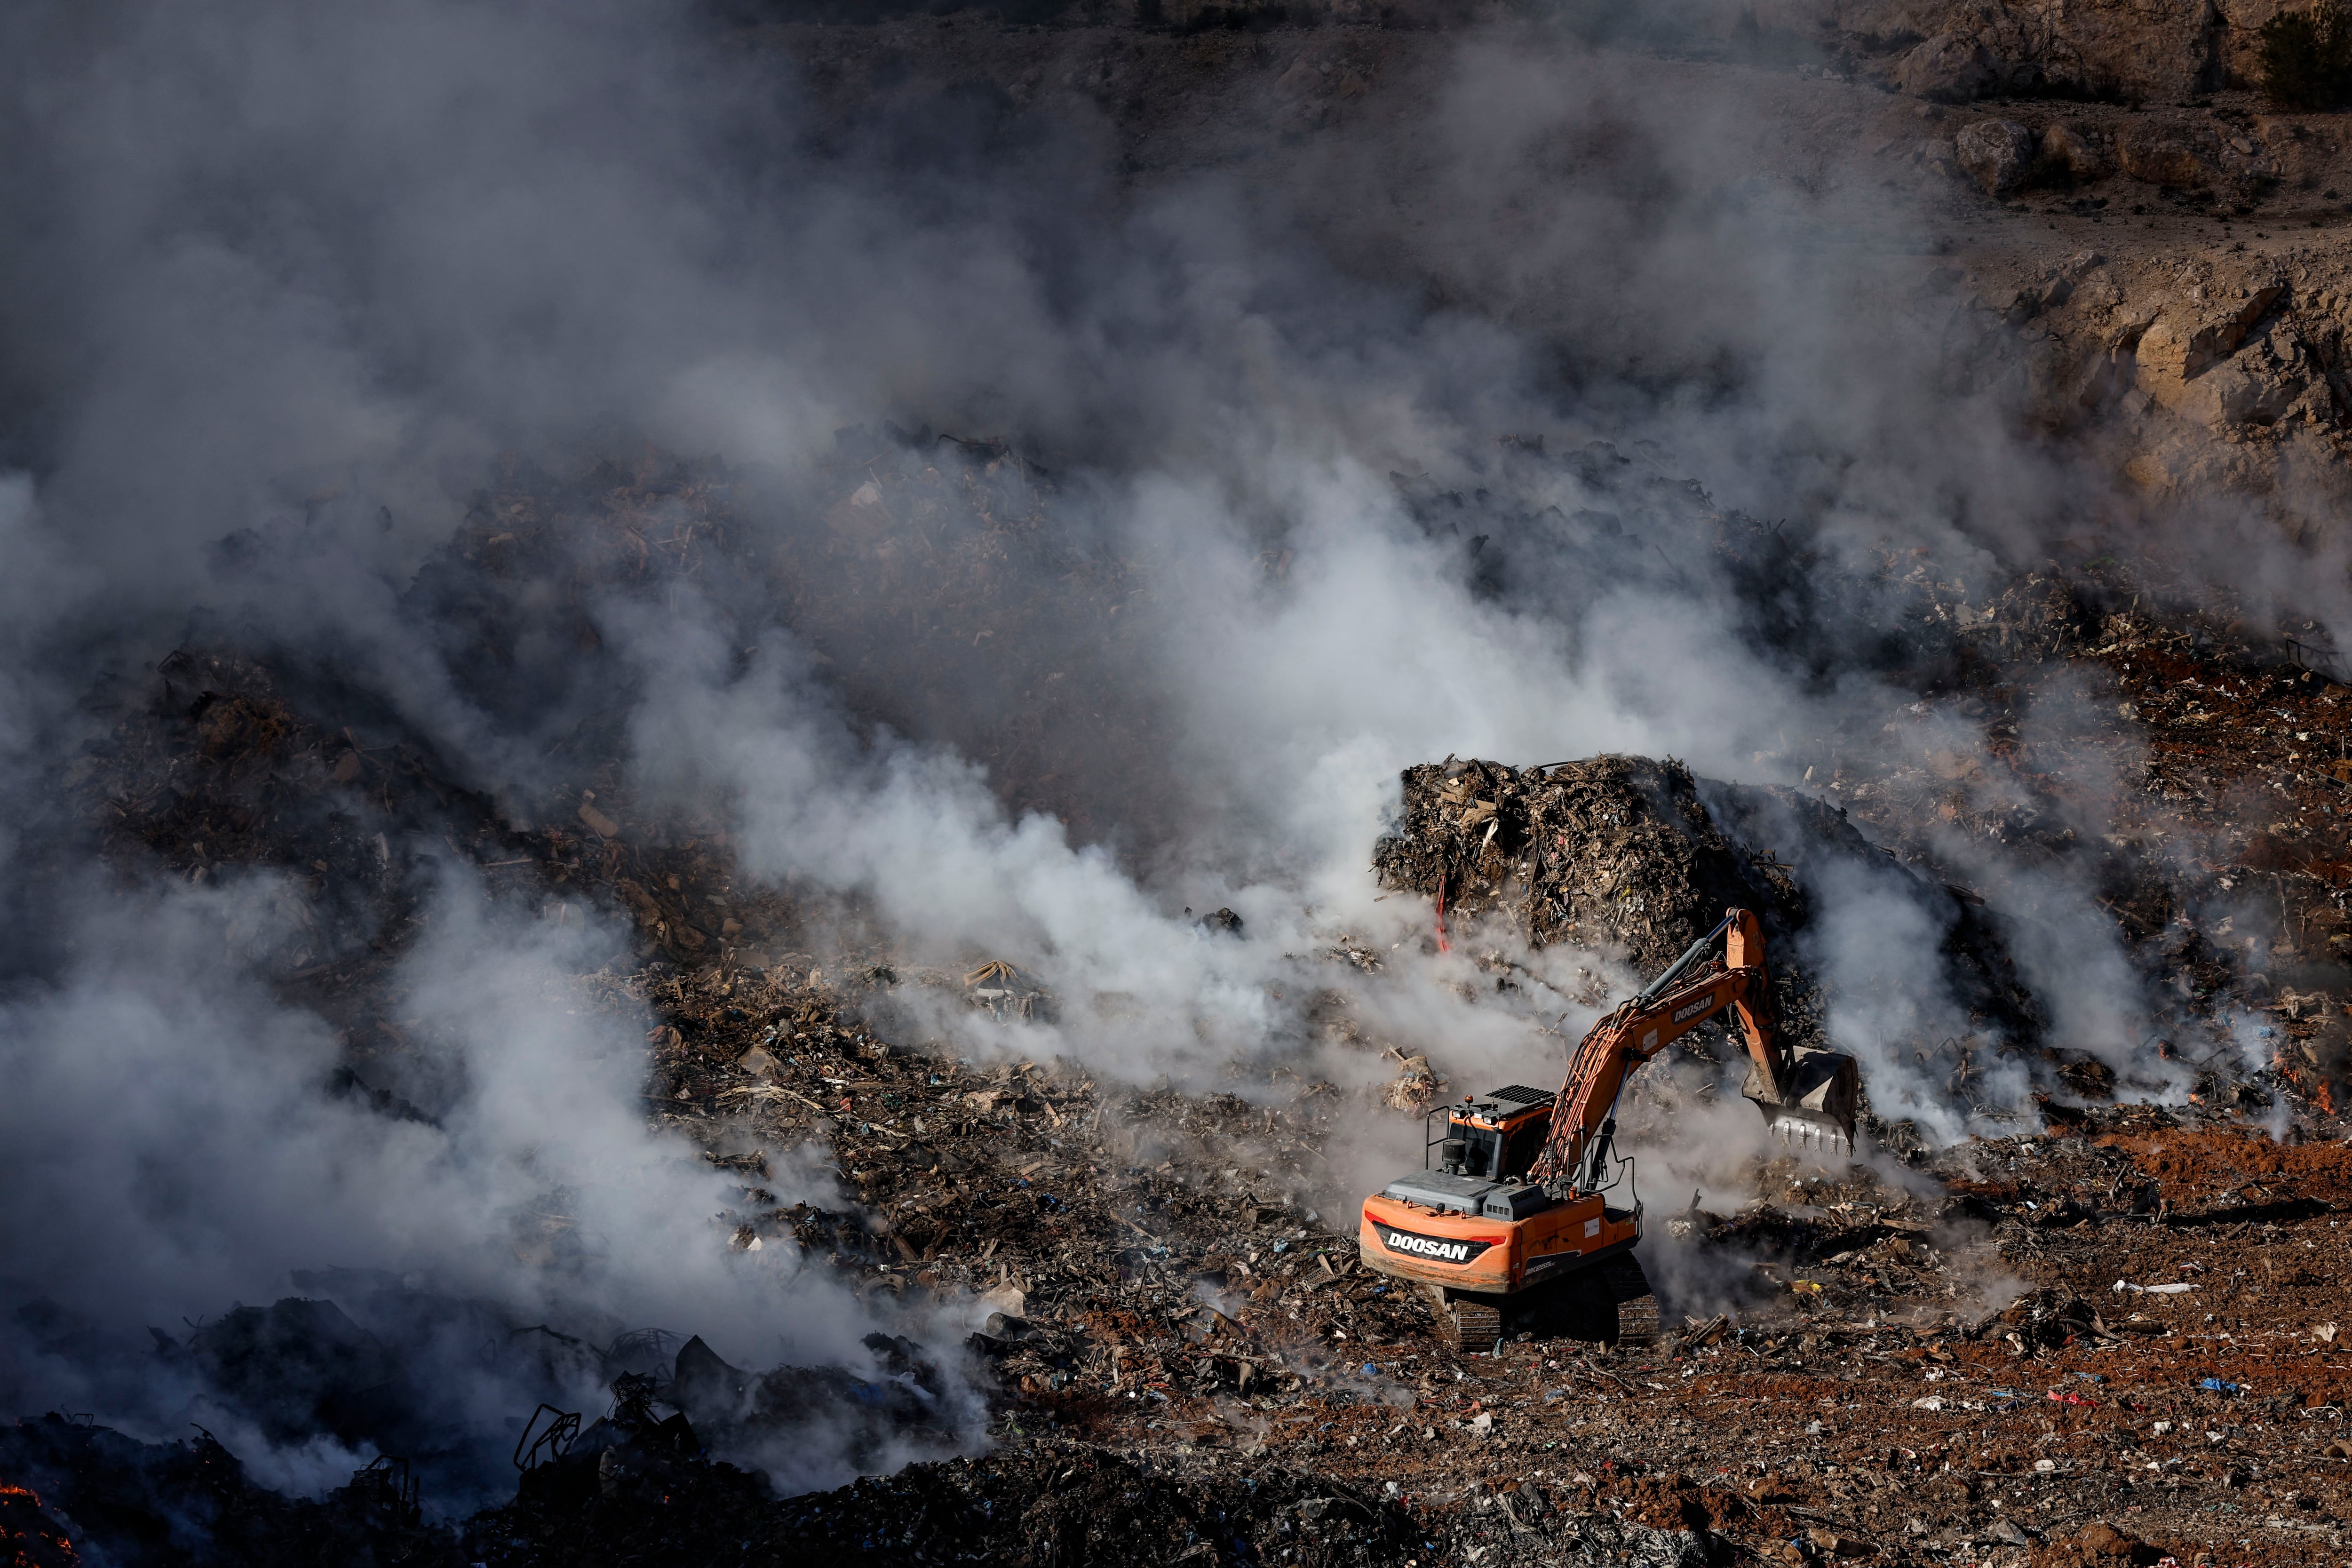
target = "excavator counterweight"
x: 1512, y: 1230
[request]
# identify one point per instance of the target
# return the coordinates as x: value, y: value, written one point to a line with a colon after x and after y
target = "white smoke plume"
x: 290, y: 281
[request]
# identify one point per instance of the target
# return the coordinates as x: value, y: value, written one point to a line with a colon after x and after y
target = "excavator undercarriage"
x: 1608, y: 1303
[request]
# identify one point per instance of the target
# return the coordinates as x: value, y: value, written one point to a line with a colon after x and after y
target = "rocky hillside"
x: 2142, y: 259
x: 1954, y: 51
x: 1959, y: 51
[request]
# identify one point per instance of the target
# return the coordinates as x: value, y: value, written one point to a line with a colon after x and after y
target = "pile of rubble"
x: 2123, y: 1331
x: 1029, y: 1184
x: 383, y: 1376
x: 72, y: 1493
x: 2120, y: 1329
x: 1616, y: 852
x: 1638, y: 859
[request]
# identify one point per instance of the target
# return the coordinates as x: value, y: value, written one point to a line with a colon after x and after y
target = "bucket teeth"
x: 1809, y: 1134
x: 1815, y: 1105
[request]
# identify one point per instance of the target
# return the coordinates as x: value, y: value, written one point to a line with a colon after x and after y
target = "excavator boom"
x: 1803, y: 1094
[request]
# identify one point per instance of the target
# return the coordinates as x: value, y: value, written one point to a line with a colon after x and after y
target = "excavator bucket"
x: 1819, y: 1102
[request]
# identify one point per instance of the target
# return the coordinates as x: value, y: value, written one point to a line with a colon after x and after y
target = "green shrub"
x: 2307, y: 58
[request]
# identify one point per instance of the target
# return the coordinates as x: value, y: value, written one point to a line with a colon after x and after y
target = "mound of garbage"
x: 1640, y: 857
x: 1615, y: 852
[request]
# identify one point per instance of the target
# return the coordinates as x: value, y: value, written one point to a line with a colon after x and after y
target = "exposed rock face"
x: 1948, y: 68
x: 2177, y: 157
x: 2157, y: 184
x: 2085, y: 154
x: 2241, y: 39
x: 2192, y: 335
x: 2221, y: 358
x: 1996, y: 154
x: 2259, y: 385
x: 2221, y: 372
x: 1956, y: 51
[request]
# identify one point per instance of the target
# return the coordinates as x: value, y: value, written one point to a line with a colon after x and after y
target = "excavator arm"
x: 1812, y: 1091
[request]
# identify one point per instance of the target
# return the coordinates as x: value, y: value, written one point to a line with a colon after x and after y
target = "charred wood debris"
x: 2103, y: 1337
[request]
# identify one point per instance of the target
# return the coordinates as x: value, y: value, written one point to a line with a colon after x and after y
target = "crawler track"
x: 1609, y: 1303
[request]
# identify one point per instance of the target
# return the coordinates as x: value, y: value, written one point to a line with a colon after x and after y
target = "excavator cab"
x: 1495, y: 1139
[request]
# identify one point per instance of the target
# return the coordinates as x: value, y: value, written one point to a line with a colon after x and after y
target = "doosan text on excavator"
x: 1513, y: 1230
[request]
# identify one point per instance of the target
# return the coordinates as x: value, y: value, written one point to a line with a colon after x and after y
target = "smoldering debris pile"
x: 1044, y: 1503
x: 1071, y: 1502
x: 222, y: 767
x: 1102, y: 1507
x: 1177, y: 1297
x: 2179, y: 1275
x: 1638, y: 857
x: 382, y: 1377
x: 1191, y: 1242
x: 78, y: 1493
x: 1615, y: 852
x: 1177, y: 1300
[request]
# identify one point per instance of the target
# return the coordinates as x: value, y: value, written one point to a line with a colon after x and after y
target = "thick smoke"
x: 289, y: 283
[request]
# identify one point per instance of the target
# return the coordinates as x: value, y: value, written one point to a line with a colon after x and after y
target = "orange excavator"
x: 1512, y: 1229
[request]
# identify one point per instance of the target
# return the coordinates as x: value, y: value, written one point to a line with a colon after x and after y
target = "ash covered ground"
x: 748, y: 781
